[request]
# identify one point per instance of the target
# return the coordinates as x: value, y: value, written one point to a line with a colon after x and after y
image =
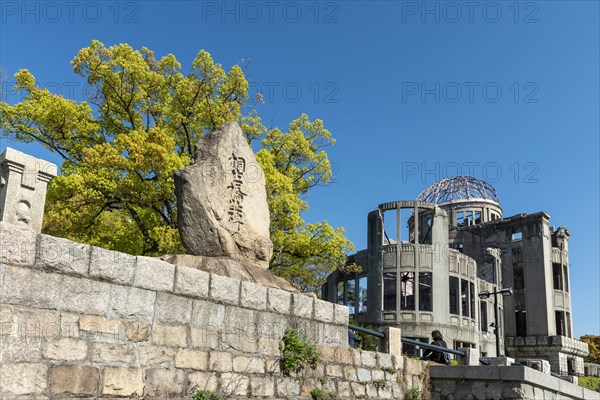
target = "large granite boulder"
x: 222, y: 201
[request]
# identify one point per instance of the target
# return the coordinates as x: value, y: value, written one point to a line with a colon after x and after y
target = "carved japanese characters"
x: 222, y: 201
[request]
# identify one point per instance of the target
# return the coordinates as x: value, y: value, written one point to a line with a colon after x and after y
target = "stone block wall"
x: 80, y: 321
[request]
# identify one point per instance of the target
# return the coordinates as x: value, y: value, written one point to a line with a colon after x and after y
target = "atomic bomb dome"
x: 458, y: 188
x: 427, y: 261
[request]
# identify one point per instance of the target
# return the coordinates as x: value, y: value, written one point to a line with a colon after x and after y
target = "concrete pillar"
x: 374, y: 266
x: 23, y: 183
x: 471, y: 358
x: 392, y: 343
x: 558, y: 363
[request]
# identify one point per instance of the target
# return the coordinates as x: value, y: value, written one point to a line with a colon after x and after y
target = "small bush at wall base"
x: 320, y: 394
x: 380, y: 383
x: 413, y: 394
x: 297, y: 352
x: 205, y: 395
x: 389, y: 370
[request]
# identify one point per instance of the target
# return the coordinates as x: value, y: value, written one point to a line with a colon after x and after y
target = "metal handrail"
x: 564, y: 378
x: 367, y: 331
x: 433, y: 347
x: 408, y: 341
x: 415, y: 343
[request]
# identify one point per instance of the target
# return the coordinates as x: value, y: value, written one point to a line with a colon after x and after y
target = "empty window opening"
x: 472, y: 298
x: 566, y: 279
x: 390, y: 286
x: 518, y: 276
x: 454, y: 295
x: 521, y: 322
x: 407, y: 290
x: 460, y: 218
x: 425, y: 225
x: 396, y: 227
x: 570, y: 366
x: 425, y: 292
x: 469, y: 218
x: 362, y: 294
x: 517, y: 236
x: 483, y: 316
x: 406, y: 233
x: 477, y: 217
x: 351, y: 295
x: 557, y: 273
x: 560, y: 323
x: 464, y: 297
x: 390, y: 231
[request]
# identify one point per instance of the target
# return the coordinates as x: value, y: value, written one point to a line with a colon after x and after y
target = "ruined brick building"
x: 427, y: 261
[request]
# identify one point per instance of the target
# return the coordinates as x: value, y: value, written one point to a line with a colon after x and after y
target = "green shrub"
x: 389, y: 370
x: 205, y: 395
x: 380, y: 383
x: 320, y: 394
x: 297, y: 352
x: 413, y: 394
x: 589, y: 382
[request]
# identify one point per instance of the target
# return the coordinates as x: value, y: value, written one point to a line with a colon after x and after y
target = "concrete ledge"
x: 516, y: 374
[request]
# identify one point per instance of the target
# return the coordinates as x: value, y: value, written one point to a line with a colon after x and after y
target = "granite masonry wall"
x: 80, y: 321
x: 502, y: 382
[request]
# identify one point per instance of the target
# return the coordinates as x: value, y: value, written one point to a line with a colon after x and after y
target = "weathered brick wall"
x: 81, y: 321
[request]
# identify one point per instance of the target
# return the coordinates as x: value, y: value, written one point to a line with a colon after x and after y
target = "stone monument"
x: 23, y: 183
x: 222, y: 201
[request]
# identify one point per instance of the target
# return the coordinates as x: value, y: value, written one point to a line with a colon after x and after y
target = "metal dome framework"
x: 458, y: 188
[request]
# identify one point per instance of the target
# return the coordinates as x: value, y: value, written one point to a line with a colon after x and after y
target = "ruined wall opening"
x: 561, y: 329
x: 521, y: 322
x: 518, y: 276
x: 517, y: 235
x: 352, y: 292
x: 454, y: 295
x: 396, y: 227
x: 407, y: 291
x: 390, y: 283
x: 557, y: 277
x: 483, y: 316
x: 425, y: 291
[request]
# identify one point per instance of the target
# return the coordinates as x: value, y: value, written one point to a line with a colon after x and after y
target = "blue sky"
x: 412, y: 91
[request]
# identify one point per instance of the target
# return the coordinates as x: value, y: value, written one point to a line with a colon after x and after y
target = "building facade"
x: 428, y: 260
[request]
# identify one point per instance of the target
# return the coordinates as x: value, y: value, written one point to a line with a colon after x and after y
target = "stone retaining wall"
x: 80, y: 321
x: 502, y: 382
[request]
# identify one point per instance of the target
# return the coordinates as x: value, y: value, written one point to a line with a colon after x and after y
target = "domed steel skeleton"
x: 458, y: 187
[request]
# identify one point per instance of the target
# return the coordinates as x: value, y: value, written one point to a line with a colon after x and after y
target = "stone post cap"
x: 20, y: 162
x: 23, y: 184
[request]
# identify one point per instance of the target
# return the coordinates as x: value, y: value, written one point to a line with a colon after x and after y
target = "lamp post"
x: 484, y: 295
x: 496, y: 254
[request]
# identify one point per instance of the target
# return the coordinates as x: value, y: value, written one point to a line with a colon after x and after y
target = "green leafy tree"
x: 139, y: 124
x: 593, y: 342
